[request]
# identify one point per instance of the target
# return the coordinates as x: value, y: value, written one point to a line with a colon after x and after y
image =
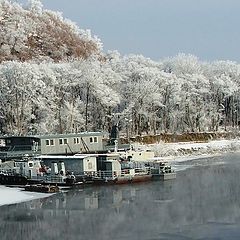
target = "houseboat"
x: 110, y: 168
x: 83, y: 166
x: 114, y: 172
x: 122, y: 172
x: 67, y: 144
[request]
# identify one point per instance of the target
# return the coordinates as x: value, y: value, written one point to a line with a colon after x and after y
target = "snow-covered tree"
x: 39, y: 34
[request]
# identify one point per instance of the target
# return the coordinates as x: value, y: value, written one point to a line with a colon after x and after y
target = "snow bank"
x: 194, y: 148
x: 16, y: 195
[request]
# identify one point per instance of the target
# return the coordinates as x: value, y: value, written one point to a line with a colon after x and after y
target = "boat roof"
x: 81, y: 134
x: 47, y: 136
x: 61, y: 157
x: 113, y: 154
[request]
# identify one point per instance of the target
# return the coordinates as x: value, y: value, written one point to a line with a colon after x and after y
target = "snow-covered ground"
x: 185, y: 150
x: 16, y: 195
x: 172, y: 152
x: 175, y: 153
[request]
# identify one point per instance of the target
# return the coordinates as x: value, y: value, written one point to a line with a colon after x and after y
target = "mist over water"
x: 202, y: 203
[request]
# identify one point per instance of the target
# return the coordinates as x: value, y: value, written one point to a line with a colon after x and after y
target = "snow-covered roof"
x: 81, y: 134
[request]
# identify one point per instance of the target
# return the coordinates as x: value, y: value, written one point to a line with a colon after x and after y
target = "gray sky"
x: 157, y: 29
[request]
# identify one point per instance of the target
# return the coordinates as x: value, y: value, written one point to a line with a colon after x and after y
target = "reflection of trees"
x: 197, y: 197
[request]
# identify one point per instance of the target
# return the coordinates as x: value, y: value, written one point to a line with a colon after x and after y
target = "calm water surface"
x: 202, y: 203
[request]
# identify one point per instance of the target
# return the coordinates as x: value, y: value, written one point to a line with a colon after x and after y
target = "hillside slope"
x: 33, y: 33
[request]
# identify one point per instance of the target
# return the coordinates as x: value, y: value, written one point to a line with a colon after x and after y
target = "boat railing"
x: 49, y: 178
x: 140, y: 171
x: 106, y: 174
x: 8, y: 171
x: 111, y: 174
x: 161, y: 169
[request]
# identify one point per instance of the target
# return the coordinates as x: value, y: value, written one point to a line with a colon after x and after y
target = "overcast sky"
x: 157, y: 29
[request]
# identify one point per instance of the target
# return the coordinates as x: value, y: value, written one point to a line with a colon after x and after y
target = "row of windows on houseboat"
x: 64, y: 141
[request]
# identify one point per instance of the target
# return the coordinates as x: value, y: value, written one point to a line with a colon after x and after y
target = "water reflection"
x: 202, y: 203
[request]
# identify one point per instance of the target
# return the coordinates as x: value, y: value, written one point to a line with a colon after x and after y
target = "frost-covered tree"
x: 35, y: 33
x: 54, y: 78
x: 22, y: 90
x: 98, y: 91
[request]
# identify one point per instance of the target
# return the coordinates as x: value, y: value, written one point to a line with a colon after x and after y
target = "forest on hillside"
x: 73, y: 86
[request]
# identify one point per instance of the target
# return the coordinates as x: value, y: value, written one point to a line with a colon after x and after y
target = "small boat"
x: 121, y: 173
x: 162, y: 171
x: 122, y: 180
x: 42, y: 188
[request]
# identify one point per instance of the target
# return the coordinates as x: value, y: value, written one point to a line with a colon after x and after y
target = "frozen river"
x: 202, y: 203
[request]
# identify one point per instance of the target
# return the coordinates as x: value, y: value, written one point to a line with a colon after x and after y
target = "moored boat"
x: 117, y: 172
x: 30, y: 171
x: 162, y: 171
x: 42, y: 188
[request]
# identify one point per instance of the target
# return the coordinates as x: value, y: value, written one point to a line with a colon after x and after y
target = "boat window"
x: 95, y: 139
x: 51, y: 142
x: 47, y: 142
x: 30, y: 164
x: 91, y: 139
x: 65, y: 141
x: 61, y: 141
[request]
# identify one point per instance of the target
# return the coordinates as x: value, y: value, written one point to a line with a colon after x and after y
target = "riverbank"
x: 192, y: 149
x: 172, y: 152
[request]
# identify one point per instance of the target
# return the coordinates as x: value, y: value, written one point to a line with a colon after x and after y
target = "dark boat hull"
x: 164, y: 176
x: 42, y: 188
x: 68, y: 183
x: 13, y: 180
x: 17, y: 180
x: 122, y: 180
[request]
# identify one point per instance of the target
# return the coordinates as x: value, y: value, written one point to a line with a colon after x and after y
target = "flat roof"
x: 47, y: 136
x: 97, y: 154
x: 61, y: 157
x: 70, y: 135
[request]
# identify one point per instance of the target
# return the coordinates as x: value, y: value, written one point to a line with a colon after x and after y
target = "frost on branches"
x: 53, y: 79
x: 38, y: 34
x: 138, y: 95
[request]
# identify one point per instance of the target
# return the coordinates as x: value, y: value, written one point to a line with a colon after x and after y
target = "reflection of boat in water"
x: 118, y: 197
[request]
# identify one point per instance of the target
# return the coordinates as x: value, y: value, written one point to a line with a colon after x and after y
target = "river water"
x: 202, y: 203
